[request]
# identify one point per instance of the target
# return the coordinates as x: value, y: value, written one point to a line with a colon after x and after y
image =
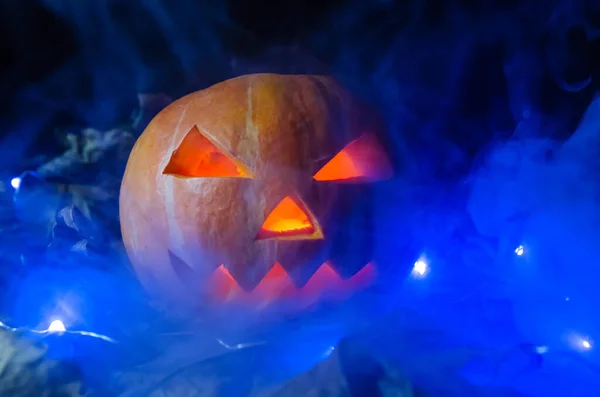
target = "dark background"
x: 451, y: 76
x: 453, y: 80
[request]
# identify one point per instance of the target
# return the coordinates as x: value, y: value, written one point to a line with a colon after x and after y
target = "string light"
x: 580, y: 343
x: 15, y: 182
x: 57, y: 327
x: 329, y: 352
x: 520, y: 250
x: 239, y: 346
x: 420, y: 268
x: 586, y: 344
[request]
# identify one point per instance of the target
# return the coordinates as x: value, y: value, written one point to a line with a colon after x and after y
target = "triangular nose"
x: 290, y: 220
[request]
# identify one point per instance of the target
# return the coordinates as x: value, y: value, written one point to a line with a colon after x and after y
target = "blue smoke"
x: 485, y: 112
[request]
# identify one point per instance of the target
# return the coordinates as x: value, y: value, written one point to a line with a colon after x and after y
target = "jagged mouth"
x: 277, y: 286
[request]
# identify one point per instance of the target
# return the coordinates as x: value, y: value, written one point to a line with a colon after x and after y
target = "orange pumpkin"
x: 246, y: 192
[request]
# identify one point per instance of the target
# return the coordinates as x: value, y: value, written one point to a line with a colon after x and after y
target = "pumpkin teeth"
x: 303, y: 259
x: 277, y: 285
x: 188, y: 276
x: 348, y: 262
x: 365, y: 277
x: 324, y: 280
x: 223, y: 285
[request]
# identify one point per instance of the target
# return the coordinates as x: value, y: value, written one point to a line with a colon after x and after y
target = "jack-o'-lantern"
x: 255, y: 191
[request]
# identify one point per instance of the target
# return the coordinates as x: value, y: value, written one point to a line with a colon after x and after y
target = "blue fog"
x: 493, y: 123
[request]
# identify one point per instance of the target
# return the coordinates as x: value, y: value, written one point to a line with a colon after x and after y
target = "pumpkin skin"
x: 183, y: 220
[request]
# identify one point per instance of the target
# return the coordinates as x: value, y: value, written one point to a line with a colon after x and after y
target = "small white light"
x: 420, y: 268
x: 15, y: 182
x: 329, y: 352
x: 56, y: 326
x: 541, y: 349
x: 580, y: 343
x: 567, y: 299
x: 586, y: 344
x: 520, y: 250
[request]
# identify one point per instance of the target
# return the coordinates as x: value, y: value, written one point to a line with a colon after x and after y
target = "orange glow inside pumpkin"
x: 362, y: 160
x: 198, y: 157
x: 289, y: 220
x: 277, y: 284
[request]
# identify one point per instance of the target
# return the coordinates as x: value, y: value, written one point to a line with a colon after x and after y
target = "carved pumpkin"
x: 254, y: 191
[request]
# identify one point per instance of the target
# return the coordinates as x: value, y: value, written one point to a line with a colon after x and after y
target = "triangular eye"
x: 362, y: 160
x: 289, y: 220
x: 197, y: 156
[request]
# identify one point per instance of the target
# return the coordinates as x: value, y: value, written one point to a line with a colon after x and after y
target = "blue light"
x: 56, y: 326
x: 15, y: 182
x: 520, y: 250
x: 580, y: 343
x: 420, y: 268
x: 586, y: 344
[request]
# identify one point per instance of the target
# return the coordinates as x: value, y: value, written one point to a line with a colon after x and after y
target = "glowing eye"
x: 198, y: 157
x: 362, y: 160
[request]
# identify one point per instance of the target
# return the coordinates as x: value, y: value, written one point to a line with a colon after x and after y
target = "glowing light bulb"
x: 15, y: 182
x: 580, y: 343
x: 420, y: 268
x: 520, y: 250
x: 586, y: 344
x: 329, y: 352
x: 56, y: 326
